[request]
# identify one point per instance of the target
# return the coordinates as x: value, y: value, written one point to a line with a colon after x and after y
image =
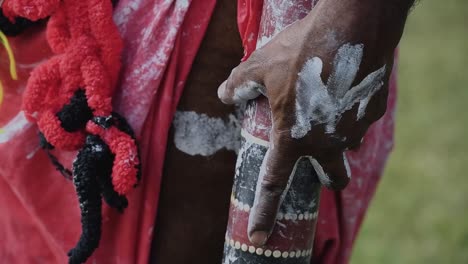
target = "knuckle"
x: 272, y: 188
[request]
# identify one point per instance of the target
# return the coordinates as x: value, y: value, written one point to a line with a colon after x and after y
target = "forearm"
x: 381, y: 20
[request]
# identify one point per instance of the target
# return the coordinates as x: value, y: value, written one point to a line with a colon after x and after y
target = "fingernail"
x: 259, y: 238
x: 222, y: 90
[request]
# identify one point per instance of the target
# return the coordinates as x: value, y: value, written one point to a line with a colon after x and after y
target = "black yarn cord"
x: 85, y: 177
x: 58, y: 166
x: 47, y: 147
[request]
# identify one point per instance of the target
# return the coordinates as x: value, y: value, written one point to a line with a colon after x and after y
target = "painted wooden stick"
x: 292, y: 238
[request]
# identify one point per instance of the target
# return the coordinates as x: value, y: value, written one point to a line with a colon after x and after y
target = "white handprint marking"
x: 317, y: 103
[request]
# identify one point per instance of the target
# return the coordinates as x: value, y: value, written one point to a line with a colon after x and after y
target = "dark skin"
x: 192, y: 216
x: 195, y: 191
x: 378, y: 26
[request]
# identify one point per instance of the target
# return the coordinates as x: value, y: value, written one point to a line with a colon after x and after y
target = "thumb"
x: 244, y: 83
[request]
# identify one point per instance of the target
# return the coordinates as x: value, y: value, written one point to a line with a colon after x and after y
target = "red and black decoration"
x: 292, y: 238
x: 69, y: 97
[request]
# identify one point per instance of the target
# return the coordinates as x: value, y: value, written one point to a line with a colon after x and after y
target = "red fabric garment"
x: 38, y: 207
x: 39, y: 210
x: 340, y: 213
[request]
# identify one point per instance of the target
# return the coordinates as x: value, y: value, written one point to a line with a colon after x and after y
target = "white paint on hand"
x: 317, y: 103
x: 247, y: 91
x: 323, y: 177
x: 199, y: 134
x: 14, y: 127
x: 346, y: 164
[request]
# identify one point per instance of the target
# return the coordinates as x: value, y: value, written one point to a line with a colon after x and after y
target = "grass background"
x: 420, y: 211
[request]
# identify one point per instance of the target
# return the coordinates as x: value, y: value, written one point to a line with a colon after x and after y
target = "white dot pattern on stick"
x: 276, y: 253
x: 244, y: 247
x: 259, y: 251
x: 266, y: 252
x: 237, y: 245
x: 252, y: 249
x: 280, y: 216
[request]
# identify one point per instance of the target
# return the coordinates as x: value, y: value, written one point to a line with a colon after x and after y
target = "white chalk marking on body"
x: 248, y: 91
x: 317, y: 103
x: 346, y: 164
x: 199, y: 134
x: 323, y: 177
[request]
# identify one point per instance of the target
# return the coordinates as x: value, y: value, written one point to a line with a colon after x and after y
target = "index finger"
x: 272, y: 184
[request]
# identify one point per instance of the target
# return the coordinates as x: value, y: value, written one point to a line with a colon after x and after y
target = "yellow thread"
x: 11, y: 58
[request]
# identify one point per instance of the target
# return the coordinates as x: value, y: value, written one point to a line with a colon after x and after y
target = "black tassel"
x: 86, y: 184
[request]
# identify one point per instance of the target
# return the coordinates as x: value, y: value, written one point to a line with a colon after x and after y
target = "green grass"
x: 420, y: 211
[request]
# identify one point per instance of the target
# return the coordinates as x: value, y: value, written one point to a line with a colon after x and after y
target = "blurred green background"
x: 420, y: 211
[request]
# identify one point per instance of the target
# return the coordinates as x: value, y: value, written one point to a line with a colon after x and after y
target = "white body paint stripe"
x: 346, y: 164
x: 317, y: 103
x: 199, y: 134
x: 323, y: 177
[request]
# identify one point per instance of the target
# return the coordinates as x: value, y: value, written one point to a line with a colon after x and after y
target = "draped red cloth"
x: 38, y: 208
x: 39, y: 211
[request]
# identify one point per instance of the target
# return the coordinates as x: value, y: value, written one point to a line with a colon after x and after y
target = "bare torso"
x: 194, y: 198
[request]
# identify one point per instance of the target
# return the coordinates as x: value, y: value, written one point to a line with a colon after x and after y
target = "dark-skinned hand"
x: 326, y: 79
